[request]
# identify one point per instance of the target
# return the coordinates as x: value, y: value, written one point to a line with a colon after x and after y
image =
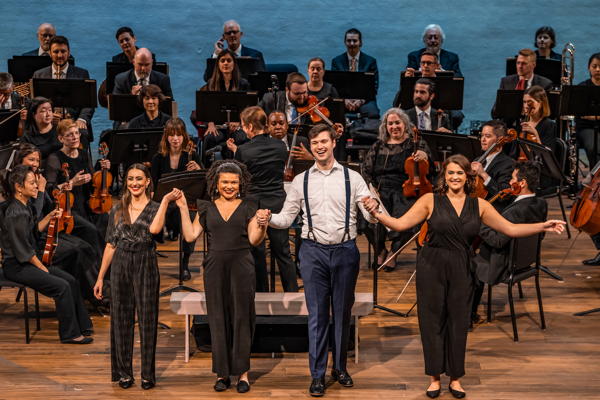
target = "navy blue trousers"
x: 329, y: 273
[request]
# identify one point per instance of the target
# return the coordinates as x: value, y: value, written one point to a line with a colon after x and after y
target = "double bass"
x: 100, y: 201
x: 585, y: 214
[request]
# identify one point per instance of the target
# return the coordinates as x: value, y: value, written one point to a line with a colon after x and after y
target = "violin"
x: 315, y: 110
x: 480, y: 190
x: 585, y: 214
x: 100, y: 201
x: 64, y: 199
x: 417, y: 183
x: 51, y: 241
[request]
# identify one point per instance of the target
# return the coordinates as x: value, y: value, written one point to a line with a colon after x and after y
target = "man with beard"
x: 288, y: 101
x: 433, y: 38
x: 132, y: 81
x: 422, y: 115
x: 45, y: 33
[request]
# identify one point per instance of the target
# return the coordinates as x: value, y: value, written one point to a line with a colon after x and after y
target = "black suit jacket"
x: 448, y: 60
x: 510, y: 82
x: 299, y: 140
x: 500, y: 172
x: 265, y: 158
x: 492, y: 260
x: 366, y: 63
x: 34, y: 52
x: 412, y: 114
x: 73, y: 72
x: 126, y: 80
x: 277, y: 102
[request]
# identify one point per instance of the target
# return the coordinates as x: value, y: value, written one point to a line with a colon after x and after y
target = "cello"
x: 417, y: 183
x: 100, y: 201
x: 585, y: 214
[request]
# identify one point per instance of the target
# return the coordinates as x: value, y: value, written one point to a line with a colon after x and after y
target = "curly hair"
x: 227, y: 166
x: 465, y: 165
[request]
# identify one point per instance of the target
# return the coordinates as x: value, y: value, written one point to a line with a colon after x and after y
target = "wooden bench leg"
x: 187, y: 338
x: 356, y: 339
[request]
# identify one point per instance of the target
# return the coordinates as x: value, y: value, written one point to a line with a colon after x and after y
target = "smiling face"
x: 127, y: 42
x: 29, y: 188
x: 32, y: 160
x: 228, y: 185
x: 321, y: 146
x: 59, y: 53
x: 455, y: 177
x: 150, y: 103
x: 395, y: 127
x: 137, y: 182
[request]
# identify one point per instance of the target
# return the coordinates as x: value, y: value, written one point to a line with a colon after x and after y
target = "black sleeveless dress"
x: 445, y: 285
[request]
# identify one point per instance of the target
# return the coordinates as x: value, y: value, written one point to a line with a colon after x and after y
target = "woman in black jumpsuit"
x: 229, y: 276
x: 444, y: 279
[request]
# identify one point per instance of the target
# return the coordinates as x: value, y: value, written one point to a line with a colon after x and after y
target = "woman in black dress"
x: 229, y: 276
x: 316, y: 85
x: 19, y: 231
x: 150, y: 98
x: 134, y: 275
x: 545, y: 41
x: 384, y: 169
x: 175, y: 154
x: 444, y: 278
x: 39, y: 128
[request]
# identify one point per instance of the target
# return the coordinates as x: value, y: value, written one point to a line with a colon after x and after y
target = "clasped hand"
x: 371, y: 205
x: 263, y: 217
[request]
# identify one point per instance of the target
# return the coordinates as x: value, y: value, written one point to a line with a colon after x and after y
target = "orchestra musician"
x: 444, y: 281
x: 9, y: 98
x: 536, y: 111
x: 19, y: 230
x: 525, y: 78
x: 149, y: 98
x: 266, y: 157
x: 278, y: 128
x: 231, y: 227
x: 329, y: 196
x: 492, y: 260
x: 40, y: 127
x: 433, y: 38
x: 127, y: 40
x: 355, y: 60
x: 585, y: 124
x: 130, y: 253
x: 174, y: 155
x: 383, y: 167
x: 316, y: 86
x: 142, y: 74
x: 422, y: 115
x: 294, y: 96
x: 45, y: 33
x: 429, y: 64
x: 545, y: 41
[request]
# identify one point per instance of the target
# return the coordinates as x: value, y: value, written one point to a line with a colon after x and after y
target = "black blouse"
x: 47, y: 142
x: 584, y: 123
x: 18, y: 233
x: 162, y: 165
x: 326, y: 91
x: 142, y: 121
x: 55, y: 176
x: 548, y: 132
x: 122, y: 234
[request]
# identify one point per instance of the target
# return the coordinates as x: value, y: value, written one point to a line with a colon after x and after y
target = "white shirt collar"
x: 489, y: 159
x: 357, y: 56
x: 336, y: 165
x: 427, y: 111
x: 524, y: 196
x: 41, y: 51
x: 137, y: 77
x: 62, y: 71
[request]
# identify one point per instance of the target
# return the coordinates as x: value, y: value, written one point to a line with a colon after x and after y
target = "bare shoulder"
x: 484, y: 205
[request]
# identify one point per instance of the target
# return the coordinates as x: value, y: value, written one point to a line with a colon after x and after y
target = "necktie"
x: 422, y: 121
x: 45, y: 54
x: 58, y: 74
x: 353, y: 64
x: 142, y: 82
x: 521, y: 84
x: 294, y: 116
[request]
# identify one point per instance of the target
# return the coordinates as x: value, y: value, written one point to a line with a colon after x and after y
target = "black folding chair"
x: 23, y: 291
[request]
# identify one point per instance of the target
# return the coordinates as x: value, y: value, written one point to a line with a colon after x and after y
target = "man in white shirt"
x: 45, y: 33
x: 330, y: 197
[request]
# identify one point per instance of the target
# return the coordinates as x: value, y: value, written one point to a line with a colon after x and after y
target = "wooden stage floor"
x: 560, y: 362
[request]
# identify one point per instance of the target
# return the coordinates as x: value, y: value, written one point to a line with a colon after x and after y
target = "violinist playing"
x: 495, y: 170
x: 492, y: 260
x: 384, y: 169
x: 536, y: 123
x: 288, y: 101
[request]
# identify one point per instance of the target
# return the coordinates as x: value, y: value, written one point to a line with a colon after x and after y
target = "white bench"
x: 189, y: 304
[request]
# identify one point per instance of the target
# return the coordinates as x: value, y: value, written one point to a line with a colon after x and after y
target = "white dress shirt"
x: 488, y: 161
x: 357, y: 57
x: 524, y: 196
x: 63, y: 71
x: 327, y: 201
x: 238, y: 52
x: 289, y: 110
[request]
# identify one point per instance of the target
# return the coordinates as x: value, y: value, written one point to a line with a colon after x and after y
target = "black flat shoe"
x: 243, y: 386
x: 186, y: 275
x: 87, y: 332
x: 317, y: 387
x: 456, y: 393
x: 343, y: 377
x: 222, y: 385
x: 592, y: 261
x: 432, y: 394
x: 85, y: 340
x: 125, y: 383
x: 147, y: 385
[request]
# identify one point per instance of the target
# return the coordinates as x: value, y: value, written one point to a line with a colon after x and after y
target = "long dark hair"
x: 227, y: 166
x: 123, y: 212
x: 24, y: 150
x: 9, y: 178
x: 465, y: 165
x: 173, y: 126
x: 216, y: 81
x: 30, y: 125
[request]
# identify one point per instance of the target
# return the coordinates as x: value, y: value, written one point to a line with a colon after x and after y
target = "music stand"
x: 337, y: 110
x: 193, y: 184
x: 128, y: 146
x: 223, y: 107
x: 246, y: 65
x: 352, y: 85
x: 582, y: 101
x: 9, y: 125
x: 262, y: 83
x: 448, y: 92
x: 124, y: 107
x: 546, y: 67
x: 71, y: 93
x: 443, y: 145
x: 22, y: 67
x: 113, y: 69
x: 7, y: 154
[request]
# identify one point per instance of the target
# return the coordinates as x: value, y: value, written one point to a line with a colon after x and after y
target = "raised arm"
x: 413, y: 217
x: 190, y: 230
x: 159, y: 219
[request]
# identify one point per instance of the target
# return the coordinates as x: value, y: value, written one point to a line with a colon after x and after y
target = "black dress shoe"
x: 222, y: 384
x: 87, y: 332
x: 456, y: 393
x: 343, y: 377
x: 186, y: 275
x: 432, y: 394
x: 317, y: 387
x: 147, y: 385
x: 387, y: 268
x: 126, y: 383
x: 243, y: 386
x: 85, y: 340
x: 592, y: 261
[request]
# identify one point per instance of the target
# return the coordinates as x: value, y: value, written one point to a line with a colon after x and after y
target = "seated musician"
x: 150, y: 98
x: 536, y: 123
x: 383, y: 167
x: 265, y: 158
x: 278, y: 128
x: 45, y: 33
x: 525, y: 78
x: 62, y: 69
x: 492, y: 260
x: 316, y: 86
x: 422, y: 115
x: 126, y: 39
x: 175, y: 154
x: 356, y: 60
x: 496, y: 169
x: 142, y: 74
x: 232, y: 35
x: 433, y: 38
x: 585, y: 124
x: 11, y: 100
x: 288, y: 101
x: 40, y: 127
x: 544, y: 41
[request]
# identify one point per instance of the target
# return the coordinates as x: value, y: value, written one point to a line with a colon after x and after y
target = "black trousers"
x: 596, y: 239
x: 329, y: 273
x: 585, y: 139
x: 135, y: 283
x: 280, y: 248
x: 229, y: 285
x: 444, y: 303
x: 60, y: 286
x: 173, y: 223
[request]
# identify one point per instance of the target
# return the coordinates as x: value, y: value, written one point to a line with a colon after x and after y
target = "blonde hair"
x: 64, y: 125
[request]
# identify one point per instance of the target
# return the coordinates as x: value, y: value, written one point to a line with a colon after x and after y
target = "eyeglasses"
x: 46, y: 35
x: 231, y: 33
x: 428, y: 63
